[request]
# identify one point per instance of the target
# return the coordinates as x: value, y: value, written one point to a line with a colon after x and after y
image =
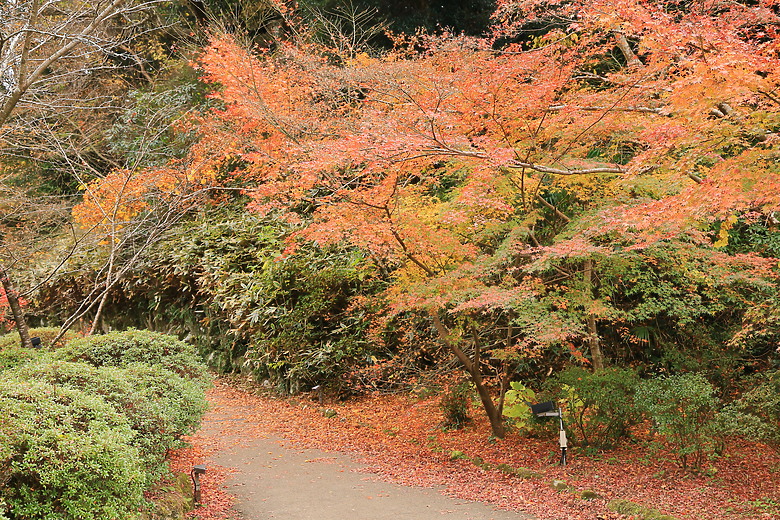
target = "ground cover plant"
x: 86, y: 439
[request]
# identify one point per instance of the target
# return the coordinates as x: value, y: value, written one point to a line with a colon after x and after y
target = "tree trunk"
x: 472, y: 367
x: 594, y: 345
x: 631, y: 59
x: 506, y: 378
x: 16, y: 309
x: 109, y: 274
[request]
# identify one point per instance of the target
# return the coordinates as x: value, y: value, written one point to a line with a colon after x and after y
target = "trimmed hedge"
x: 47, y: 334
x: 120, y: 349
x: 159, y: 405
x: 84, y: 430
x: 65, y: 454
x: 13, y: 355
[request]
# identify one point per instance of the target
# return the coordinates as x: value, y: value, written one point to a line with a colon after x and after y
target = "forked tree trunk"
x: 16, y: 309
x: 472, y: 367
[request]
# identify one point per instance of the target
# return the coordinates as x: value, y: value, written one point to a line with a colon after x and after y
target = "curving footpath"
x: 271, y: 479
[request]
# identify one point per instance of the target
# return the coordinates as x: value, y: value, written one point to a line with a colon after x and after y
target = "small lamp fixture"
x: 549, y: 409
x: 318, y: 389
x: 196, y: 472
x: 35, y: 342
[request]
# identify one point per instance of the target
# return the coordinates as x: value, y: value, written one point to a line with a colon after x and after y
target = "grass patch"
x: 626, y: 507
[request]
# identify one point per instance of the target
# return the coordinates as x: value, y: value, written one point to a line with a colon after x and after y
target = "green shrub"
x: 65, y: 455
x: 135, y: 346
x: 159, y: 405
x: 47, y: 334
x: 455, y: 405
x: 684, y: 410
x: 518, y: 411
x: 296, y: 320
x: 756, y: 414
x: 12, y: 355
x: 604, y: 410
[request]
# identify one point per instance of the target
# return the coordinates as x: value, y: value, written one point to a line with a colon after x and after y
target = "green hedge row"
x: 84, y: 428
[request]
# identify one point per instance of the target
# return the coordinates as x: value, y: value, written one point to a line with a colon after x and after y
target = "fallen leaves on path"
x: 216, y: 502
x: 399, y: 438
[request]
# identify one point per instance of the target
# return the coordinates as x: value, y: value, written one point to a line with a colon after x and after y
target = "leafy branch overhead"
x: 586, y: 182
x: 510, y: 174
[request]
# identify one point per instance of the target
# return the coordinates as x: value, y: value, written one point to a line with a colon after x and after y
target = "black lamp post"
x: 549, y: 409
x: 196, y: 472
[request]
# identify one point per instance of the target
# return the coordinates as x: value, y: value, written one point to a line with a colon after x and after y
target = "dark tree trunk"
x: 472, y: 367
x: 16, y: 308
x: 594, y: 345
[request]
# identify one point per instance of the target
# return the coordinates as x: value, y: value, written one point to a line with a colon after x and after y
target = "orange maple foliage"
x: 368, y: 143
x: 120, y: 196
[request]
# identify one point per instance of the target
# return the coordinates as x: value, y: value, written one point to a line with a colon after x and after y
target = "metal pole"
x: 196, y: 486
x: 564, y: 443
x: 195, y: 473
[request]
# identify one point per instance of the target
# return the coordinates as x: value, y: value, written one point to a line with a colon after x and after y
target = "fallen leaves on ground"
x: 216, y: 502
x: 400, y: 439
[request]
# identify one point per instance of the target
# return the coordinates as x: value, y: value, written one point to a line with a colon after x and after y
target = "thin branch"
x: 647, y: 110
x: 552, y: 208
x: 557, y: 171
x: 770, y: 96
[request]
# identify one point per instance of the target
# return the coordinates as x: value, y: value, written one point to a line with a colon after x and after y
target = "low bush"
x: 756, y: 414
x: 13, y: 355
x: 159, y: 405
x: 454, y: 405
x: 65, y: 454
x: 47, y: 335
x: 85, y: 429
x: 600, y: 404
x: 120, y: 349
x: 684, y: 410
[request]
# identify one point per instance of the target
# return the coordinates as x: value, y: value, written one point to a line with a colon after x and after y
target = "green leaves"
x: 70, y: 454
x: 683, y: 408
x: 517, y: 408
x: 85, y: 439
x: 598, y: 405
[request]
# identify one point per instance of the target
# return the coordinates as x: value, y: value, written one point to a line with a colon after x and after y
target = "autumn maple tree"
x: 499, y: 179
